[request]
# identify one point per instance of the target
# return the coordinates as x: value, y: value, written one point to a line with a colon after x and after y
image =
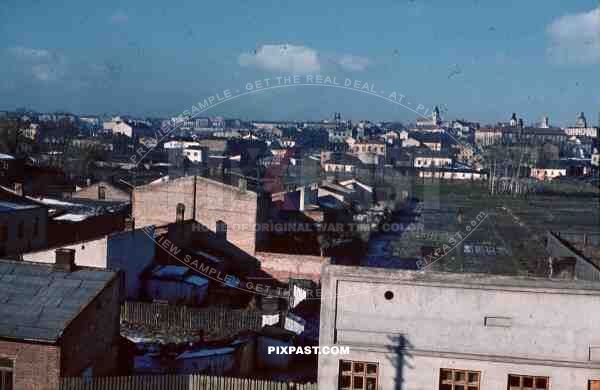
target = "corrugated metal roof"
x: 37, y: 302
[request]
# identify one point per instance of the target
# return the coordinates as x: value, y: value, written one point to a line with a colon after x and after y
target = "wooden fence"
x: 178, y: 382
x: 173, y: 316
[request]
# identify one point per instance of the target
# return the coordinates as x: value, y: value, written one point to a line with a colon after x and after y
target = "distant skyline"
x: 479, y: 60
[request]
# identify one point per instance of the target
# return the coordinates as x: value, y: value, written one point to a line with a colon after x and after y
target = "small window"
x: 6, y: 374
x: 451, y: 379
x: 526, y: 382
x: 180, y: 212
x: 358, y: 375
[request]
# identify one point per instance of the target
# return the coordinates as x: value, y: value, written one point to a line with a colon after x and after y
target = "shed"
x: 176, y: 284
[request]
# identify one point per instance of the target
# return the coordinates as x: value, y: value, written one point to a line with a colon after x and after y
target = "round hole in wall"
x: 388, y: 295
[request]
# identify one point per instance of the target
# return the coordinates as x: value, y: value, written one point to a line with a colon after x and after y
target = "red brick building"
x: 56, y: 320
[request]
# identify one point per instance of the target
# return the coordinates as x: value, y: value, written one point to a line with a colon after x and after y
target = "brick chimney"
x: 65, y: 260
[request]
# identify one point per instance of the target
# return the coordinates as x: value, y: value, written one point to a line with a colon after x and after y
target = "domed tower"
x: 435, y: 116
x: 581, y: 121
x: 513, y: 120
x: 545, y: 122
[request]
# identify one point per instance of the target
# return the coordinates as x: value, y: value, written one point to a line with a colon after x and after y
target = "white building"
x: 426, y: 330
x: 123, y: 129
x: 195, y: 154
x: 176, y: 144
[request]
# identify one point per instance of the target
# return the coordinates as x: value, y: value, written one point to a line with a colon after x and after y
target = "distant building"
x: 23, y: 226
x: 581, y: 122
x: 31, y: 132
x: 341, y: 163
x: 57, y: 320
x: 177, y: 144
x: 370, y: 146
x: 430, y: 330
x: 488, y: 136
x: 427, y: 159
x: 109, y: 125
x: 548, y: 170
x: 196, y: 154
x: 123, y: 129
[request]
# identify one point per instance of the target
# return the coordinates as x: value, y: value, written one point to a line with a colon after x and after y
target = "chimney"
x: 242, y: 185
x: 19, y: 189
x: 65, y: 260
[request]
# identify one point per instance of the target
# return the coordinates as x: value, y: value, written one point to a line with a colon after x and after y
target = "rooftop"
x: 463, y: 279
x: 37, y: 302
x: 12, y: 206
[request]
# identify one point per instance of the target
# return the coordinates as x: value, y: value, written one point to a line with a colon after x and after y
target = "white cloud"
x: 28, y: 53
x: 575, y: 38
x: 353, y: 63
x: 118, y: 17
x: 283, y: 58
x: 40, y: 64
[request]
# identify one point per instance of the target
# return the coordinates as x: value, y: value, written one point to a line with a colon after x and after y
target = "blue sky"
x: 480, y: 59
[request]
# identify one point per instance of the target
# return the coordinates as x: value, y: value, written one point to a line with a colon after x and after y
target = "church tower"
x: 545, y: 123
x: 435, y: 116
x: 513, y: 120
x: 581, y: 121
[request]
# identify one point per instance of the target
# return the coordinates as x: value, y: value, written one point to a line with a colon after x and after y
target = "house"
x: 31, y: 132
x: 208, y: 202
x: 371, y: 146
x: 57, y: 320
x: 435, y: 330
x: 432, y: 141
x: 341, y: 163
x: 130, y: 252
x: 196, y: 154
x: 123, y: 129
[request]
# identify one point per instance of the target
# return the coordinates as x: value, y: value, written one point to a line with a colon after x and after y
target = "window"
x: 451, y: 379
x: 524, y: 382
x: 101, y: 192
x: 6, y: 374
x: 180, y: 212
x: 358, y: 375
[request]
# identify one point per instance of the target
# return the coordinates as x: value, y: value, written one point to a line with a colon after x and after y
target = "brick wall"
x: 36, y: 366
x: 111, y: 193
x: 92, y: 338
x: 156, y: 205
x: 283, y: 266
